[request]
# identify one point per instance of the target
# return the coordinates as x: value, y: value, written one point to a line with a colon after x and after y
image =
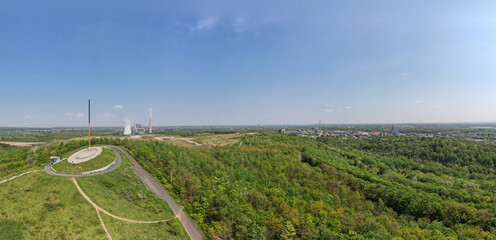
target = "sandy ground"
x: 178, y: 138
x: 21, y: 144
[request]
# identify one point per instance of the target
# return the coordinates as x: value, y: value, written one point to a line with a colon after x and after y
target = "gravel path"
x: 152, y: 185
x: 14, y: 177
x: 156, y: 188
x: 103, y: 224
x: 49, y: 170
x: 98, y: 208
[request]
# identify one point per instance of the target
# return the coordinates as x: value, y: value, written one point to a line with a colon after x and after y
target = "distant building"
x: 137, y: 130
x: 281, y: 130
x: 55, y: 159
x: 396, y: 132
x: 375, y: 133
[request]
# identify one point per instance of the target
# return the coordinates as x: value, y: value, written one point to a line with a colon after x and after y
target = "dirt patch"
x: 219, y: 140
x: 22, y: 144
x: 98, y: 208
x: 189, y: 140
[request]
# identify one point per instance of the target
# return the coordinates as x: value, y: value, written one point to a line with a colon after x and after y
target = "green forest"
x: 274, y: 186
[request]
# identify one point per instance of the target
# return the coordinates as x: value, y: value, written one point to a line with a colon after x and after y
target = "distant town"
x: 354, y: 132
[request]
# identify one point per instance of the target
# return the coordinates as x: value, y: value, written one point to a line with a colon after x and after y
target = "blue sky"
x: 233, y: 62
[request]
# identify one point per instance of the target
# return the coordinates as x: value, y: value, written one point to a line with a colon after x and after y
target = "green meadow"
x: 42, y: 206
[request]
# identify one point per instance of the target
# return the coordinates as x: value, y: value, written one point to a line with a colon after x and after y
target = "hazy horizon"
x: 387, y: 124
x: 243, y: 63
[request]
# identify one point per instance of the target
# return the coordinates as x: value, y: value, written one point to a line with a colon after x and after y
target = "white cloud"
x: 30, y: 116
x: 108, y: 115
x: 204, y: 24
x: 117, y: 107
x: 347, y: 107
x: 68, y: 114
x: 418, y: 101
x: 328, y: 110
x: 437, y: 106
x: 80, y: 115
x: 404, y: 74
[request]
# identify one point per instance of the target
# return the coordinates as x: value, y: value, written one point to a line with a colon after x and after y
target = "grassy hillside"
x: 42, y: 206
x: 16, y: 159
x: 121, y: 192
x: 172, y: 230
x: 104, y: 159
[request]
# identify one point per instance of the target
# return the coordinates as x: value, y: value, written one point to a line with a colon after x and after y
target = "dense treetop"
x: 273, y: 186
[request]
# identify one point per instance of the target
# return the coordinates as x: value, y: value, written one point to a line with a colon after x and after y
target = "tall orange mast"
x: 89, y: 124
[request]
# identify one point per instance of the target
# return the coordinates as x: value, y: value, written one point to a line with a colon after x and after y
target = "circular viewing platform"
x: 84, y: 155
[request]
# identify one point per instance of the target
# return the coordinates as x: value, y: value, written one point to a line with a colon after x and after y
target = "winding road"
x: 151, y: 184
x: 49, y: 170
x: 156, y: 188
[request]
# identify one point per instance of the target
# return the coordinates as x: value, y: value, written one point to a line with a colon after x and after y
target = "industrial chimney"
x: 150, y: 120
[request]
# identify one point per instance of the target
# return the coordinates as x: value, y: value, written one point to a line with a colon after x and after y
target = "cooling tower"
x: 127, y: 128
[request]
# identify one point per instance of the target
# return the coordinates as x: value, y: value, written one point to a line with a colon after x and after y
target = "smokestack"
x: 150, y: 120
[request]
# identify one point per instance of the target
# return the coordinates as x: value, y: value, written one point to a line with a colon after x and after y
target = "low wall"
x: 89, y: 172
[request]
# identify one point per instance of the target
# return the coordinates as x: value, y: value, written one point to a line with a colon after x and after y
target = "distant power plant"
x: 138, y: 129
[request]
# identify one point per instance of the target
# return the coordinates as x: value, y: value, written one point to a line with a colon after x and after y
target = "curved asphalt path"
x: 151, y: 184
x: 156, y: 188
x: 118, y: 161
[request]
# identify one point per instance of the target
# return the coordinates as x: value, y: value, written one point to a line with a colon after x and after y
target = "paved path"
x: 49, y: 170
x: 152, y: 185
x: 156, y: 188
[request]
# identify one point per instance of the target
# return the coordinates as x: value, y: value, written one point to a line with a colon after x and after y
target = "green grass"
x: 171, y: 230
x: 218, y: 140
x: 121, y: 192
x: 42, y: 206
x: 102, y: 160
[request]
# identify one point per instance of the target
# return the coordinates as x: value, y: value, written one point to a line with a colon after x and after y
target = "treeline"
x: 285, y: 187
x: 477, y: 157
x: 16, y: 159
